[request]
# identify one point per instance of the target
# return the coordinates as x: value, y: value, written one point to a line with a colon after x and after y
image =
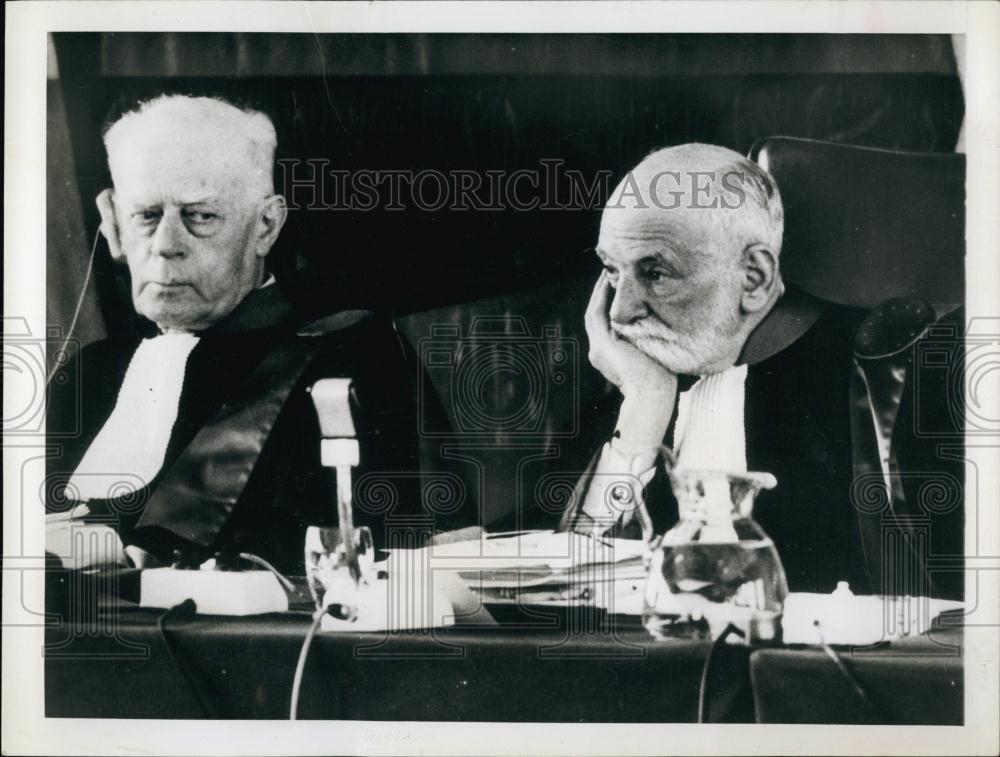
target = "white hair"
x: 759, y: 216
x: 202, y: 113
x: 766, y: 213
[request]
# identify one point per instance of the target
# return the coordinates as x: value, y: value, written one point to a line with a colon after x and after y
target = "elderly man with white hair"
x: 716, y: 358
x: 202, y: 437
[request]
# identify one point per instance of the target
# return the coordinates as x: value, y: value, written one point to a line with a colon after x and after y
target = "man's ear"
x: 760, y: 277
x: 109, y: 223
x: 273, y: 214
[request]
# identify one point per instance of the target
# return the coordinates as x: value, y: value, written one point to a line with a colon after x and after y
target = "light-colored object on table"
x: 215, y: 592
x: 406, y: 600
x: 844, y: 618
x: 80, y: 545
x: 396, y: 595
x: 556, y: 568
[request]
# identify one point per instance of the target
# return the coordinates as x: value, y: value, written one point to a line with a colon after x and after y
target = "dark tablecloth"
x: 243, y: 668
x: 916, y: 680
x: 112, y: 661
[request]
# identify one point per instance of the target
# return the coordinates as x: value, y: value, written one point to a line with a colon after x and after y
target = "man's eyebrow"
x: 657, y: 257
x: 671, y: 263
x: 133, y: 205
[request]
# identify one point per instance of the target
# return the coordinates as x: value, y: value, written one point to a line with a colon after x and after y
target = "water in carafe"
x: 716, y: 566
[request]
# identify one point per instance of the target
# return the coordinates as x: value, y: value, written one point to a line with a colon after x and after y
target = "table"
x: 544, y: 665
x: 913, y: 681
x: 242, y: 668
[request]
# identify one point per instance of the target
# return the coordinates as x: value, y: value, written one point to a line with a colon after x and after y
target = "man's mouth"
x: 167, y: 290
x: 640, y: 332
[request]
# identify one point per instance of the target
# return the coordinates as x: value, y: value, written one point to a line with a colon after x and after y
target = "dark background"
x: 498, y: 102
x: 477, y: 102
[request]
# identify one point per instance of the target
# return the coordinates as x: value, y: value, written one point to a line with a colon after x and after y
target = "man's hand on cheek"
x: 621, y: 363
x: 649, y: 389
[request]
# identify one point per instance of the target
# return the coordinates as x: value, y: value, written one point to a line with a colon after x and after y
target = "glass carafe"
x: 716, y: 566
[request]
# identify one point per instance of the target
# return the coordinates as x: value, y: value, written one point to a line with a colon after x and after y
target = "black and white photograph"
x: 501, y: 378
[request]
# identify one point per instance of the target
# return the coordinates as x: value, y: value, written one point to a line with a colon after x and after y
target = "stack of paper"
x: 80, y: 545
x: 545, y: 567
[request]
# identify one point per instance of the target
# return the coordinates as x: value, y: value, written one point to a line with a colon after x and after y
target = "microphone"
x: 339, y: 450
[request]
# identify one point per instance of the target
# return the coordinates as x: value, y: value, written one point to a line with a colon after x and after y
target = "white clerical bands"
x: 709, y: 435
x: 129, y: 450
x: 710, y: 432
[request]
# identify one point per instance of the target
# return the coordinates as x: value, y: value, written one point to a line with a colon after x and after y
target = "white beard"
x: 688, y: 355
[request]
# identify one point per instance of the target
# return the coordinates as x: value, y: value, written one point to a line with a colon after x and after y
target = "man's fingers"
x: 598, y: 306
x: 599, y: 295
x: 599, y: 331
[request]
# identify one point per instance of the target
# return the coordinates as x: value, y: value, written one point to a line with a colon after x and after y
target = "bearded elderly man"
x: 203, y: 437
x: 716, y: 358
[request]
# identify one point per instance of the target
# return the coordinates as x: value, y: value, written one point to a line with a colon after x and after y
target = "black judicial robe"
x: 797, y: 424
x: 230, y: 478
x: 798, y: 428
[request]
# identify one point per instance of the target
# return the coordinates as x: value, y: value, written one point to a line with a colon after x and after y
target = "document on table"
x: 544, y: 567
x: 80, y: 545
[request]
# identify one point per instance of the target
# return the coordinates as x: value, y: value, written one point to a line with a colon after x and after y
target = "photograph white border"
x: 26, y: 731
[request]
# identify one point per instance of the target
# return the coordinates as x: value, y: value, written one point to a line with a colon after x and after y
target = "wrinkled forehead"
x: 679, y: 205
x: 162, y: 162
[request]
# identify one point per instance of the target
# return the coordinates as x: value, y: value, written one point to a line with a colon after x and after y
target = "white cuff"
x: 616, y: 487
x: 616, y: 460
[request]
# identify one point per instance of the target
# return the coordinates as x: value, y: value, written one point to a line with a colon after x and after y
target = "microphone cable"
x: 77, y: 309
x: 703, y: 686
x: 335, y: 610
x: 849, y: 676
x: 293, y: 713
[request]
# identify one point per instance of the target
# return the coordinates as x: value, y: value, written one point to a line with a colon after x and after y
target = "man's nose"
x: 628, y: 304
x: 168, y: 240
